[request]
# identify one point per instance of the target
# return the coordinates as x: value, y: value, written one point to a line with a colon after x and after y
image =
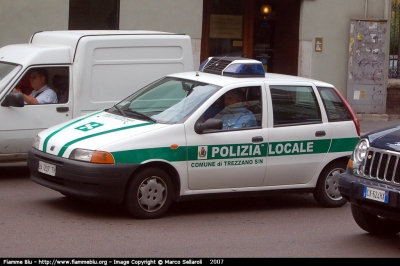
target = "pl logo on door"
x: 202, y: 153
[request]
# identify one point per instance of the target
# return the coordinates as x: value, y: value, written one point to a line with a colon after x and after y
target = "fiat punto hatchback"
x: 228, y: 129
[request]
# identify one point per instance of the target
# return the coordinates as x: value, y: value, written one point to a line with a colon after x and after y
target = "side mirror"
x: 14, y: 99
x: 211, y: 123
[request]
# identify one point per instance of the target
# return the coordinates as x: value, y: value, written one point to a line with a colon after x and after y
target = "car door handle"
x: 320, y: 133
x: 257, y: 139
x: 62, y: 109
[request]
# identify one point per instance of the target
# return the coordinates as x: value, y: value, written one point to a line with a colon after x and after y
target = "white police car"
x: 228, y: 129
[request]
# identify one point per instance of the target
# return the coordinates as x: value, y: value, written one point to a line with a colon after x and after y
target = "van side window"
x: 57, y: 80
x: 294, y: 105
x: 60, y: 84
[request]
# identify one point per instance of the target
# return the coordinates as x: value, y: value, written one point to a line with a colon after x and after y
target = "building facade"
x: 310, y: 38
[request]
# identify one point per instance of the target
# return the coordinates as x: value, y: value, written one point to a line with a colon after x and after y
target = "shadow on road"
x: 196, y: 207
x: 85, y: 208
x: 243, y: 204
x: 13, y: 172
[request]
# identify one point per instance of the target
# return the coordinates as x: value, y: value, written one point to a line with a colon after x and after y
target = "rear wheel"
x: 149, y: 194
x: 68, y: 196
x: 327, y: 190
x: 373, y: 223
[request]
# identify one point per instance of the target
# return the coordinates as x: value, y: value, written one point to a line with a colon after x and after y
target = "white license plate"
x: 376, y: 194
x: 47, y: 168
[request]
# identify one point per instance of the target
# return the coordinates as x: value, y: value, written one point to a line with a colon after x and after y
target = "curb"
x: 377, y: 117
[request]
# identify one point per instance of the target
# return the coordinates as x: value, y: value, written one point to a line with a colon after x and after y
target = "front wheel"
x: 327, y: 189
x: 149, y: 194
x: 373, y: 223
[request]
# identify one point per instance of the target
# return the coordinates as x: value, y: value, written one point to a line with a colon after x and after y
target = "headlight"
x: 360, y: 151
x: 92, y: 156
x: 36, y: 142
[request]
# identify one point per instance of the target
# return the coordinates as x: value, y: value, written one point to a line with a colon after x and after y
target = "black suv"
x: 372, y: 182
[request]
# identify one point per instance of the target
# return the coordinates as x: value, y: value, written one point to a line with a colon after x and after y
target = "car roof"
x: 222, y: 81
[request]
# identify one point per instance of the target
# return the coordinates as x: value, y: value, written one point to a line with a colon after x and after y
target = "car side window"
x: 334, y: 106
x: 239, y: 108
x: 294, y: 105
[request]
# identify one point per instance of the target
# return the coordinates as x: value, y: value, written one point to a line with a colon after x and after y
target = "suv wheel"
x: 327, y: 189
x: 373, y: 223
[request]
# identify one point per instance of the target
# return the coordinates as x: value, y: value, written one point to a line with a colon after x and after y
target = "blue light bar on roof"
x: 244, y: 70
x: 233, y: 66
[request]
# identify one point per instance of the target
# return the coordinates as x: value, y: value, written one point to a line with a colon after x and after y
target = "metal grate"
x: 216, y: 65
x: 394, y: 67
x: 382, y: 165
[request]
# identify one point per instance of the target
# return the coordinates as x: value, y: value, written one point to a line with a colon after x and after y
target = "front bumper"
x: 95, y: 182
x: 351, y: 187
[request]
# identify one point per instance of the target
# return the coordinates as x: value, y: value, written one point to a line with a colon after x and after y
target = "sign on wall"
x: 226, y: 26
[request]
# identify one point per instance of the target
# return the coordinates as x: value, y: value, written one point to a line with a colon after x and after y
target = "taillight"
x: 353, y: 115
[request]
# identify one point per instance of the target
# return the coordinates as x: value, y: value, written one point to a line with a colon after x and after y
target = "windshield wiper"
x: 120, y: 110
x: 148, y: 118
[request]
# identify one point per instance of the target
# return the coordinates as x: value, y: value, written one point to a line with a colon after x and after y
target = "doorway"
x: 265, y: 30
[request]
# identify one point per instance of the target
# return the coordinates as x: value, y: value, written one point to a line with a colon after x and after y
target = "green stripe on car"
x: 65, y: 147
x: 64, y: 127
x: 232, y: 151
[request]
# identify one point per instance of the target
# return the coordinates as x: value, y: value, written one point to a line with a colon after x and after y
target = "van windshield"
x: 169, y: 100
x: 7, y: 72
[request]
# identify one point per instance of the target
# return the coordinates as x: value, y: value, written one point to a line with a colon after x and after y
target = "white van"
x: 89, y: 71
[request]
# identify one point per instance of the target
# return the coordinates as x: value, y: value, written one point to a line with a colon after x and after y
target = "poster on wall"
x: 366, y: 73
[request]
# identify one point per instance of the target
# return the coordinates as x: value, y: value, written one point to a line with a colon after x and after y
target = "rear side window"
x: 335, y: 109
x: 294, y: 105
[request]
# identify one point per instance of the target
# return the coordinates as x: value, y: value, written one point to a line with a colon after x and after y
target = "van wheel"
x: 149, y: 194
x: 327, y: 190
x: 373, y: 223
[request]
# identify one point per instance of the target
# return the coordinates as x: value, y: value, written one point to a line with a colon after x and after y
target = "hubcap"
x: 332, y: 184
x: 151, y: 194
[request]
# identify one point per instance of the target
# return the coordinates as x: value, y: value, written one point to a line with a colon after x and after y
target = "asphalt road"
x: 370, y: 125
x: 39, y: 222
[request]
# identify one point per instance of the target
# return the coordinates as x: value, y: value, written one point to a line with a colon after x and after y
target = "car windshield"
x: 168, y: 100
x: 7, y: 72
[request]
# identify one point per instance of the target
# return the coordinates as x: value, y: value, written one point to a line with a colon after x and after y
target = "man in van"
x: 42, y: 93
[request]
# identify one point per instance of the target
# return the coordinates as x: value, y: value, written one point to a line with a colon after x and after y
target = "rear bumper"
x: 352, y: 188
x: 95, y: 182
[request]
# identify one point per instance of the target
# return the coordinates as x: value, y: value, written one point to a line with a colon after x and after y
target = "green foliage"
x: 395, y: 27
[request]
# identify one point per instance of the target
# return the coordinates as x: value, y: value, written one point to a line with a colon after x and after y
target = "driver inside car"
x: 235, y: 115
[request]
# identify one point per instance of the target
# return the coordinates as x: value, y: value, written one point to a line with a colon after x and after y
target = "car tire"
x: 69, y: 196
x: 373, y: 223
x: 327, y: 189
x: 149, y: 194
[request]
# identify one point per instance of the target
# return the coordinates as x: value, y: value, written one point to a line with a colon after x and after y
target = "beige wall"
x: 331, y: 20
x: 19, y: 19
x: 178, y: 16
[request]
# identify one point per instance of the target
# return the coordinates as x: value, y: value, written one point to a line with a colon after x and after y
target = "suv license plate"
x: 47, y: 168
x: 376, y: 194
